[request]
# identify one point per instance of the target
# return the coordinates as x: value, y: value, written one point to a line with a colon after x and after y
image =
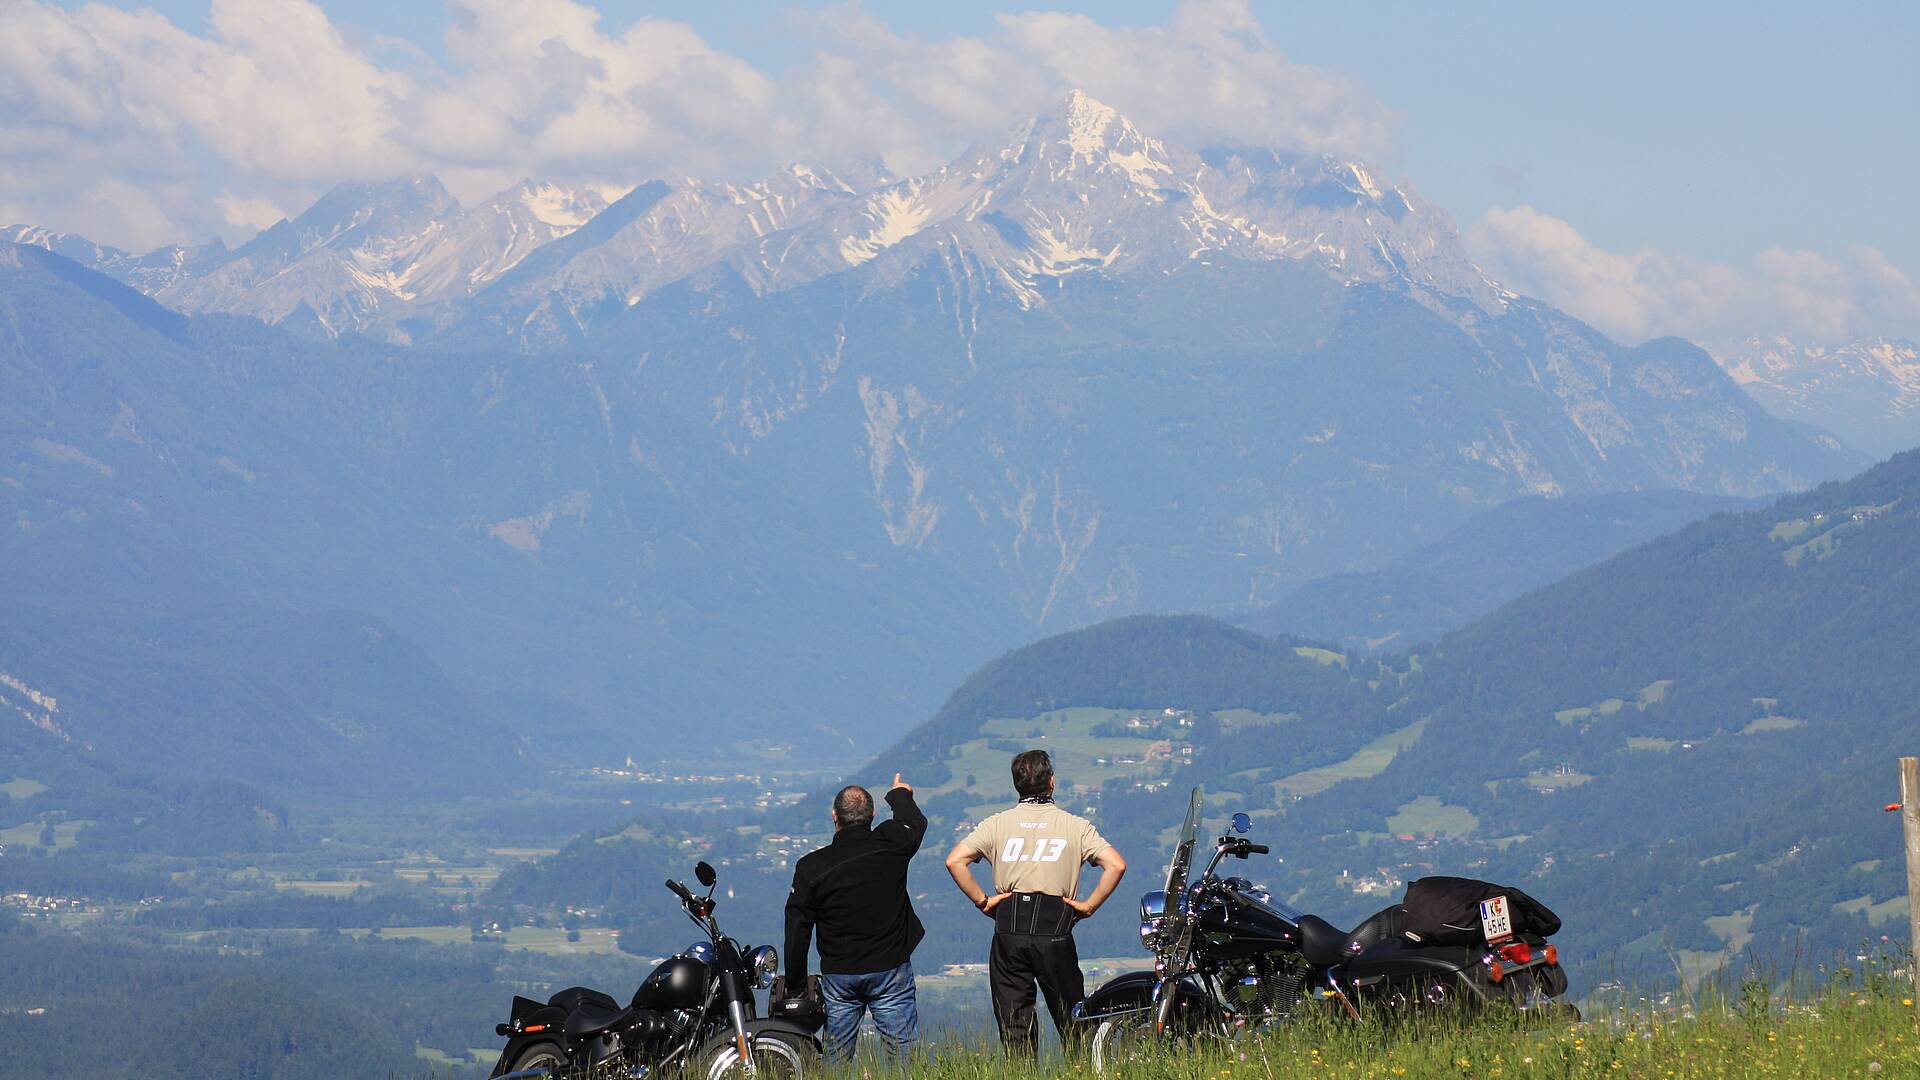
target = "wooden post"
x: 1910, y: 825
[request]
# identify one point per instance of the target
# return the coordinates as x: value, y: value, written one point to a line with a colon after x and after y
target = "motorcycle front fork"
x: 737, y: 1012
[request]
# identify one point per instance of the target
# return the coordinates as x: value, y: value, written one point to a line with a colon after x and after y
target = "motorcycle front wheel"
x: 777, y: 1055
x: 1121, y: 1041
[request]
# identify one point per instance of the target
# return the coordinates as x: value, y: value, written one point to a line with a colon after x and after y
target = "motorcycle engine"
x: 681, y: 1021
x: 605, y: 1047
x: 1269, y: 988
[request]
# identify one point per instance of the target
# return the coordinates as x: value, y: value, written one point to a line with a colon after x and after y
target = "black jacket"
x: 855, y: 891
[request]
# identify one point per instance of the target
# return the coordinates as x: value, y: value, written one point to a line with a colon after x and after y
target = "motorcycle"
x: 693, y: 1016
x: 1231, y: 959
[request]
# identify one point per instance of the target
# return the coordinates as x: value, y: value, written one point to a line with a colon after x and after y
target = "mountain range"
x: 640, y: 473
x: 1868, y: 391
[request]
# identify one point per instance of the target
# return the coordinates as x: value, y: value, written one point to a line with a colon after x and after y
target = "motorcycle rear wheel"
x: 543, y: 1055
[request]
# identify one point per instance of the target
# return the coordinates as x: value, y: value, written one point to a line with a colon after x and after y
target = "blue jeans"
x: 888, y: 995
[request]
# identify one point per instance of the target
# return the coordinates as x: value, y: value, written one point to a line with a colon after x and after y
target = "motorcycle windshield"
x: 1178, y: 934
x: 1183, y: 849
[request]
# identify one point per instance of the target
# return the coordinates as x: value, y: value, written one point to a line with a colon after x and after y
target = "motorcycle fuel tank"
x: 678, y: 983
x: 1243, y: 926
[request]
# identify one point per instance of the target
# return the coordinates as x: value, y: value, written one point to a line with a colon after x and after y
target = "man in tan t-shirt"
x: 1036, y: 850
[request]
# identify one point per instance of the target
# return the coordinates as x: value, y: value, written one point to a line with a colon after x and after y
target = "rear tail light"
x: 1518, y: 952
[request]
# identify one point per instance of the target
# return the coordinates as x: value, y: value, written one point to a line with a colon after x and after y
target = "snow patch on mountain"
x: 897, y: 214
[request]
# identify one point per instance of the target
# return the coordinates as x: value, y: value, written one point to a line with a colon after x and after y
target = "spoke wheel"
x: 776, y: 1056
x: 1121, y: 1041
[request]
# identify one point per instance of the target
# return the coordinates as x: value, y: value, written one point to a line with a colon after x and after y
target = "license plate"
x: 1495, y: 921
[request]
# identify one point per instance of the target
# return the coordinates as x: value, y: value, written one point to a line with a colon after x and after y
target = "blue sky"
x: 1698, y: 135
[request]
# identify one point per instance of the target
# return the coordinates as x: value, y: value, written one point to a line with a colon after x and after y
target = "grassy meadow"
x: 1854, y: 1028
x: 1858, y: 1021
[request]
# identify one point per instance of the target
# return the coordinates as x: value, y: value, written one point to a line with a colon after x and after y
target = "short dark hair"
x: 1032, y: 773
x: 853, y: 806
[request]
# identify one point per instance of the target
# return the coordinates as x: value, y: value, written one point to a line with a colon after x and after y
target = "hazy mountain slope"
x: 1200, y: 440
x: 1491, y: 559
x: 582, y: 564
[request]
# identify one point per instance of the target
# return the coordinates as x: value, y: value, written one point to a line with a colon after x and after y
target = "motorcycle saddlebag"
x: 1446, y: 911
x: 805, y: 1009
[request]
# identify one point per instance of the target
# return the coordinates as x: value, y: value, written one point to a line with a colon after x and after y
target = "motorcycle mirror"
x: 1241, y: 822
x: 706, y: 874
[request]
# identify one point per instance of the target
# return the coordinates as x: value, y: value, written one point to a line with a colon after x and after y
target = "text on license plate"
x: 1495, y: 921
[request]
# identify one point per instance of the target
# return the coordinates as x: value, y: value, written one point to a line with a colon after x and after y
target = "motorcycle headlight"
x: 1153, y: 905
x: 1150, y: 933
x: 763, y: 963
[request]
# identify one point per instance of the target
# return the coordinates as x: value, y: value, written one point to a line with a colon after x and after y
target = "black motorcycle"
x: 693, y: 1016
x: 1230, y: 959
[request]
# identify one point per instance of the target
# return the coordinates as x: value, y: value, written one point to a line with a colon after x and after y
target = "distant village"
x: 1167, y: 730
x: 770, y: 791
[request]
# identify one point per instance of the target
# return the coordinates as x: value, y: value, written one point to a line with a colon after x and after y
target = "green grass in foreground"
x: 1832, y: 1041
x: 1862, y: 1023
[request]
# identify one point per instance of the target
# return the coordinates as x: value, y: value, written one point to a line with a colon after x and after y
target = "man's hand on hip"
x: 1082, y: 908
x: 988, y: 903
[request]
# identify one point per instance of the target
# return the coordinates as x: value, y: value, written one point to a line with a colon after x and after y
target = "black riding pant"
x: 1016, y: 965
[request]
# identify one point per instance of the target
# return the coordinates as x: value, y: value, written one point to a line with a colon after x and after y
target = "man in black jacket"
x: 854, y: 891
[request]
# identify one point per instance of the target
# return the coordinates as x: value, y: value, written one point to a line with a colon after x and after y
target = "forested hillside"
x: 1492, y: 558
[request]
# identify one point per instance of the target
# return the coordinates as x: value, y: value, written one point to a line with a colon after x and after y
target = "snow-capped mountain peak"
x: 1076, y: 190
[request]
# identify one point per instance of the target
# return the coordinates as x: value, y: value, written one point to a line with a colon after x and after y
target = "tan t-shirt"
x: 1036, y: 847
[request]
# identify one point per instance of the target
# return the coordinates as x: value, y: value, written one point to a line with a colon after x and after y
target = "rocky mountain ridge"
x: 1080, y: 189
x: 1079, y: 373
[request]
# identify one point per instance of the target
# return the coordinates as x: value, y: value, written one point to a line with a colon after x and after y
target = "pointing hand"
x: 899, y: 784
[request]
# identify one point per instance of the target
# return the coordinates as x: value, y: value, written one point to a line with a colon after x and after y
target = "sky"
x: 1709, y: 169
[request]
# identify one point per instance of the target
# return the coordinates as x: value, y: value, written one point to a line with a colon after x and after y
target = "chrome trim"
x: 763, y: 963
x: 1109, y: 1013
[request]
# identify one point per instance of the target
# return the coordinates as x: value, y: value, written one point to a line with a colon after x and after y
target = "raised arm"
x: 963, y: 856
x: 1113, y: 867
x: 908, y: 826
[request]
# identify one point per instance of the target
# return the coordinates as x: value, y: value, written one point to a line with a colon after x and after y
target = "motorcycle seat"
x: 1321, y: 942
x: 1382, y: 925
x: 591, y: 1019
x: 573, y: 997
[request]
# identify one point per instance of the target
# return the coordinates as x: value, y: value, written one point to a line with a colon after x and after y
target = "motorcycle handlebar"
x: 1258, y: 849
x: 680, y: 890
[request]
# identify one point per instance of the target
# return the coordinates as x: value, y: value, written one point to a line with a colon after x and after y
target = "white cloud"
x: 1813, y: 298
x: 274, y: 103
x: 250, y: 214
